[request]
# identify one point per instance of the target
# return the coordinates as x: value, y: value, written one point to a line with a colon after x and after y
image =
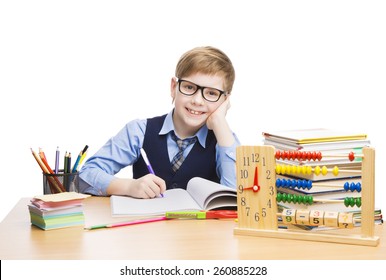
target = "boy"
x: 200, y: 91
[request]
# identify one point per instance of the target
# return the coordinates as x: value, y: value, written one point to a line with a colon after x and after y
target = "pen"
x: 129, y: 223
x: 57, y: 160
x: 147, y: 161
x: 143, y: 153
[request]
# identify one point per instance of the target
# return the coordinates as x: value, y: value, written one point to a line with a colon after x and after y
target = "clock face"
x: 256, y: 191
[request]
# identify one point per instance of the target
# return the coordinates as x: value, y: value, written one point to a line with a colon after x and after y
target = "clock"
x: 256, y: 190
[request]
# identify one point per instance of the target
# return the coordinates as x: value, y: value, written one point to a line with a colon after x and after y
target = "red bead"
x: 319, y: 156
x: 277, y: 154
x: 351, y: 156
x: 285, y: 155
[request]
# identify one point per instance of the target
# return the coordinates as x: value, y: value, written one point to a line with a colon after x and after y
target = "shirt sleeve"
x: 226, y: 163
x: 119, y: 151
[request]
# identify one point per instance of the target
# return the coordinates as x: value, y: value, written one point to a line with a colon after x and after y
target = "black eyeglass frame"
x: 199, y: 88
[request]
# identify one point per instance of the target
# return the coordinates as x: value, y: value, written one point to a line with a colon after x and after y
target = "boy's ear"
x: 173, y: 86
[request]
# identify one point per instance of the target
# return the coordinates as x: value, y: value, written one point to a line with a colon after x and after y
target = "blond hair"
x: 209, y: 61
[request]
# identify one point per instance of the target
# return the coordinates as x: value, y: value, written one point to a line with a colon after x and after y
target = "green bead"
x: 290, y: 198
x: 358, y: 202
x: 279, y: 197
x: 346, y: 202
x: 296, y: 198
x: 352, y: 201
x: 285, y: 197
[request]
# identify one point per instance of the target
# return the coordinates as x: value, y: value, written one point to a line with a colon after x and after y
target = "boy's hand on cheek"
x: 218, y: 116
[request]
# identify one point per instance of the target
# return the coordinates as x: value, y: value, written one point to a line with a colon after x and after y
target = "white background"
x: 74, y: 72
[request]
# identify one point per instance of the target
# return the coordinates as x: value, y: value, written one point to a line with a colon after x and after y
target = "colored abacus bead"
x: 351, y: 156
x: 352, y: 201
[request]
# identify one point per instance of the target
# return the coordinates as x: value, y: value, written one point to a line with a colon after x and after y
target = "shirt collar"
x: 168, y: 126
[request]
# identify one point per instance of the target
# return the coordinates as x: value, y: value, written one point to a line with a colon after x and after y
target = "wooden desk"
x: 174, y: 239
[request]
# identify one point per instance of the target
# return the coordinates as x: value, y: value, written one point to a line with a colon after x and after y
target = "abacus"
x: 257, y: 198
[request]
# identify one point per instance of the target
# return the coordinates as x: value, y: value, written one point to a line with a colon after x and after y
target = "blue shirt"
x: 124, y: 149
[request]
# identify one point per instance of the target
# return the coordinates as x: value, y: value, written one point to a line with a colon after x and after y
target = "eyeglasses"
x: 209, y: 94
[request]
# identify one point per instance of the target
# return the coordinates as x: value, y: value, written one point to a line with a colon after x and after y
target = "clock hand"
x: 255, y: 186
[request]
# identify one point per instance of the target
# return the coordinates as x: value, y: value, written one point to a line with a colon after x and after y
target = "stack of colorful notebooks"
x: 59, y: 210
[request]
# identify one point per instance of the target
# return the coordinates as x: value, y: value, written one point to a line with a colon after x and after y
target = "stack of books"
x: 59, y: 210
x: 334, y: 147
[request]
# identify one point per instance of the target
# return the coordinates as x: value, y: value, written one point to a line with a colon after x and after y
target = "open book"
x: 200, y: 194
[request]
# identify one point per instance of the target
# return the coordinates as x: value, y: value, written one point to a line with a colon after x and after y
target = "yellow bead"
x: 298, y: 169
x: 293, y: 169
x: 324, y: 170
x: 317, y: 170
x: 278, y: 168
x: 304, y: 169
x: 288, y: 169
x: 309, y: 170
x: 335, y: 170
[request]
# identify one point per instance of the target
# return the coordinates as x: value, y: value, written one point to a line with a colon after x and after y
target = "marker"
x: 143, y: 153
x: 200, y: 215
x: 74, y: 169
x: 84, y: 152
x: 129, y: 223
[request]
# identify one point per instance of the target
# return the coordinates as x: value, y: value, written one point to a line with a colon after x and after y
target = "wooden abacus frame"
x: 366, y: 236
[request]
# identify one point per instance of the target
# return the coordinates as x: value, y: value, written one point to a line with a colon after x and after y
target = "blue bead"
x: 309, y: 184
x: 352, y: 187
x: 359, y: 187
x: 278, y: 183
x: 346, y: 186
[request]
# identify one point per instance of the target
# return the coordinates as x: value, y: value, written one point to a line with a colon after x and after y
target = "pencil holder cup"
x: 60, y: 182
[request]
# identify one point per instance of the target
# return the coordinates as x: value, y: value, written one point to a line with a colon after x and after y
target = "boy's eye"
x: 213, y: 93
x: 188, y: 87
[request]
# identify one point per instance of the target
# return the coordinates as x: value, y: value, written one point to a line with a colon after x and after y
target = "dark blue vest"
x: 199, y: 163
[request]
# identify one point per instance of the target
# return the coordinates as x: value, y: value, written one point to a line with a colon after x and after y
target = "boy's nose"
x: 197, y: 98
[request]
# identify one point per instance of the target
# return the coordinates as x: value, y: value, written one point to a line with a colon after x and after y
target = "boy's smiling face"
x: 191, y: 112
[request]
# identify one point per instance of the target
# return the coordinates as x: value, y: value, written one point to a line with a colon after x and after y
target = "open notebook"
x: 200, y: 194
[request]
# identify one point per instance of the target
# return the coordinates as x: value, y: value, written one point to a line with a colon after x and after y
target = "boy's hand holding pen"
x: 149, y: 167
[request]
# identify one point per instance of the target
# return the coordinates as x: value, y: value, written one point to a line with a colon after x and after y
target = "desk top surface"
x: 172, y: 239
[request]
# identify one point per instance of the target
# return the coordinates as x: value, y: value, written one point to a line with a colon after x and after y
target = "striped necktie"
x: 179, y: 157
